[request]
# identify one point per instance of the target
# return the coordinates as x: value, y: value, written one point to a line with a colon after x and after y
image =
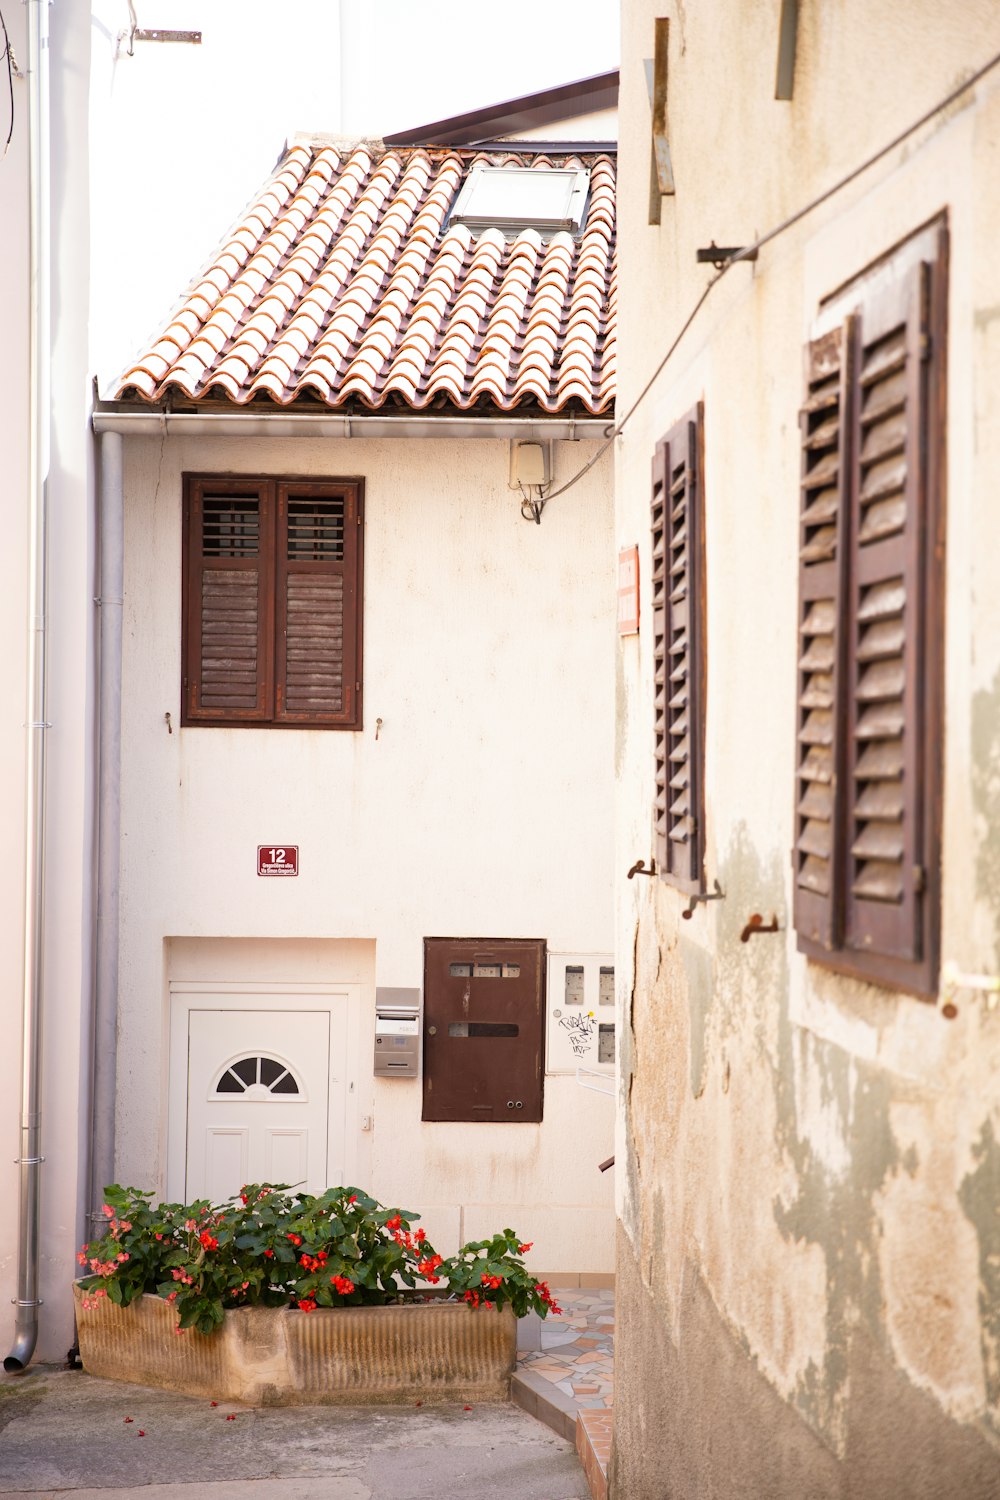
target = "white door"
x: 258, y: 1100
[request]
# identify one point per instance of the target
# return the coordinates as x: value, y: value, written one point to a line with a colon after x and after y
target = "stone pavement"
x: 64, y: 1432
x: 565, y: 1375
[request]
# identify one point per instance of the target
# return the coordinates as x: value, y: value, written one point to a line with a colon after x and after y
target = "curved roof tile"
x: 343, y: 281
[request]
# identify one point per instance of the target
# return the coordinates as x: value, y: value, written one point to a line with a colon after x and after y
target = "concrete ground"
x: 65, y: 1432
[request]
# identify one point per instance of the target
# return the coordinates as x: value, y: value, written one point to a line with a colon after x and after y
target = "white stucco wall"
x: 483, y: 809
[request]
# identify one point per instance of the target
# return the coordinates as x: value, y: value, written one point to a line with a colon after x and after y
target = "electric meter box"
x: 397, y: 1033
x: 580, y: 1002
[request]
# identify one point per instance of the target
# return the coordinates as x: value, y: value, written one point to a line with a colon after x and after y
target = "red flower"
x: 307, y: 1304
x: 296, y: 1239
x: 523, y: 1249
x: 268, y: 1254
x: 343, y: 1285
x: 353, y: 1198
x: 420, y: 1236
x: 394, y: 1222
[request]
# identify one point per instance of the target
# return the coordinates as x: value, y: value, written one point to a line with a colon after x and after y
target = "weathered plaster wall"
x: 483, y: 808
x: 808, y: 1183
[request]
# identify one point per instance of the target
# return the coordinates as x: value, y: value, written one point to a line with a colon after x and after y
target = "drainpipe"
x: 102, y: 1159
x: 29, y: 1156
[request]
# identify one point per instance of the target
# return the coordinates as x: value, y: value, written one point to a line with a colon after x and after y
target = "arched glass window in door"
x: 257, y: 1072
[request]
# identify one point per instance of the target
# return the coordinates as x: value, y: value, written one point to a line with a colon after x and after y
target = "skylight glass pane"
x: 513, y: 198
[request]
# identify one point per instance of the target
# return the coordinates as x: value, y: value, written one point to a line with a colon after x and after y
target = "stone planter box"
x: 425, y: 1351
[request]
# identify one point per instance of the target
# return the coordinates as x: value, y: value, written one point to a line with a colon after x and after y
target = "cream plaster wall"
x: 70, y: 624
x: 810, y: 1143
x: 483, y: 808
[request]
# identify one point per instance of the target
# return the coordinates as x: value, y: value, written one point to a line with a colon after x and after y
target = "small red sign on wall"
x: 277, y: 859
x: 628, y: 591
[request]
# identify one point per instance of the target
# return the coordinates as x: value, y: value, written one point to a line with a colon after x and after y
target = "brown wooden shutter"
x: 823, y: 552
x: 886, y: 865
x: 317, y: 667
x: 678, y: 652
x: 227, y: 604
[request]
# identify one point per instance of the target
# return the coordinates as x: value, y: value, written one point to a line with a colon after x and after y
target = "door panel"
x: 258, y: 1100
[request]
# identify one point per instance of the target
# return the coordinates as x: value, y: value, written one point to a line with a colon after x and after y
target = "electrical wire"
x: 749, y: 252
x: 10, y: 84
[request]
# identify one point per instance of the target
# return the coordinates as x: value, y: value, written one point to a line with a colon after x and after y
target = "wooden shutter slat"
x: 677, y: 629
x: 318, y: 590
x: 228, y: 551
x: 885, y: 741
x: 825, y: 435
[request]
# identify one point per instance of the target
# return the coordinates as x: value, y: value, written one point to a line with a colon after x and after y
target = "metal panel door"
x: 258, y: 1100
x: 483, y: 1028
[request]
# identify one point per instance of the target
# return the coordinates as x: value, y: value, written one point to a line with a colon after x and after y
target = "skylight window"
x: 514, y: 198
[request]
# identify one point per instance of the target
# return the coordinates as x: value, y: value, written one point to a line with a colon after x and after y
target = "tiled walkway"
x: 565, y: 1374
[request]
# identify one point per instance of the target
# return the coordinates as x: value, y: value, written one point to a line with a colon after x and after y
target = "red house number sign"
x: 277, y: 859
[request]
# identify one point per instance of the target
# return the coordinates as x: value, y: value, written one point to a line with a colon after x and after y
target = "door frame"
x: 188, y: 994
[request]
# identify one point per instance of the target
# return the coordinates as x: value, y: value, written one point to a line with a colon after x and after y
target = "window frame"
x: 685, y: 442
x: 833, y: 931
x: 274, y: 569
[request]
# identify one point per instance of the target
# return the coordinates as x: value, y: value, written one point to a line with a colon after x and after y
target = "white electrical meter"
x: 580, y: 1025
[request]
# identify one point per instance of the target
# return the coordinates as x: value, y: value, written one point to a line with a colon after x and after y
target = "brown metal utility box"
x: 484, y: 1027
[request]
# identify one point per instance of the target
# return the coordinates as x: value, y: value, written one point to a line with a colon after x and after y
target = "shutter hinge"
x: 919, y: 879
x: 926, y: 343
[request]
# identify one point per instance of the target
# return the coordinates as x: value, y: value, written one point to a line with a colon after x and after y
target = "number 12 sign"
x: 277, y: 859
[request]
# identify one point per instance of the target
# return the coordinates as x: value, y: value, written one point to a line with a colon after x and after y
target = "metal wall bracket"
x: 699, y: 897
x: 157, y: 34
x: 720, y: 255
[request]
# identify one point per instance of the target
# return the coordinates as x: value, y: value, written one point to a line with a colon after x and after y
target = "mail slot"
x: 397, y: 1033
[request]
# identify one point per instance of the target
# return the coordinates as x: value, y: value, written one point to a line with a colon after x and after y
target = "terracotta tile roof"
x: 342, y: 285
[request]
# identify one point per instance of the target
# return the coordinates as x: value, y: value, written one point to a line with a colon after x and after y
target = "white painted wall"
x: 484, y: 807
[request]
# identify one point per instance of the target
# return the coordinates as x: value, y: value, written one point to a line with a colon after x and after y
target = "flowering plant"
x: 276, y: 1247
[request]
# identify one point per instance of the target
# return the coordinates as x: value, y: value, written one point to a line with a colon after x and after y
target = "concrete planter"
x: 428, y: 1351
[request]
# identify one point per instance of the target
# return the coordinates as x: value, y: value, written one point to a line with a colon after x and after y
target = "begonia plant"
x: 279, y: 1247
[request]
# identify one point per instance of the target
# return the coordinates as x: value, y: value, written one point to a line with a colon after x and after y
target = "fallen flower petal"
x: 231, y: 1417
x: 130, y: 1419
x: 140, y: 1433
x: 213, y: 1403
x: 466, y: 1408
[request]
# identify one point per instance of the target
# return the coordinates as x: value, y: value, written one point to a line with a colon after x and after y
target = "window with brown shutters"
x: 678, y: 652
x: 869, y: 726
x: 272, y: 602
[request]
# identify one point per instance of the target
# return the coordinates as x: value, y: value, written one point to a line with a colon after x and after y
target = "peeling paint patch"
x: 986, y: 796
x: 979, y: 1196
x: 699, y: 978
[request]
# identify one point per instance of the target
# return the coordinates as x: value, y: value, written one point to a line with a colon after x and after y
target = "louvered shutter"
x: 823, y: 554
x: 227, y: 605
x: 678, y: 653
x: 317, y: 675
x: 884, y: 790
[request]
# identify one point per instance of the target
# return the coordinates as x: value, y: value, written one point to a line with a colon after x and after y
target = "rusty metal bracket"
x: 720, y: 255
x: 757, y: 924
x: 699, y: 897
x: 953, y: 980
x: 639, y: 868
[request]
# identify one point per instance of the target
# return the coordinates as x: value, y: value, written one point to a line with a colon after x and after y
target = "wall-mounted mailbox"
x: 397, y: 1033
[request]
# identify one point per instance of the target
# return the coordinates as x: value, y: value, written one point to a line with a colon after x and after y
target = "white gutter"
x: 132, y: 421
x: 29, y: 1156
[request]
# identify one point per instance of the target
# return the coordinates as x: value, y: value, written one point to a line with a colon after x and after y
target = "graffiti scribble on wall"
x: 581, y: 1030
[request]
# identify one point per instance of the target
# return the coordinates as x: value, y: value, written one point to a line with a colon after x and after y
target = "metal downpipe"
x: 29, y: 1156
x: 102, y: 1157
